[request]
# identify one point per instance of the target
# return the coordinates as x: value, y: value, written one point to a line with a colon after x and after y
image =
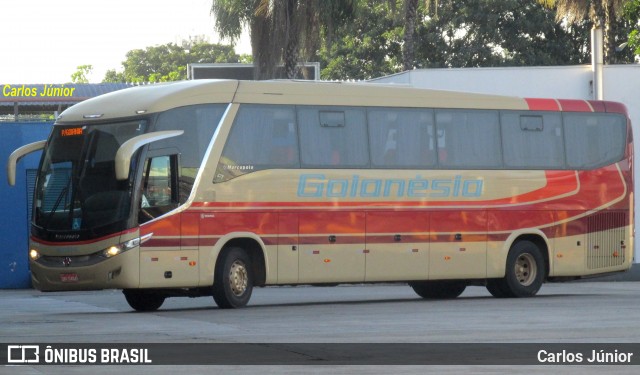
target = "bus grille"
x: 606, y: 239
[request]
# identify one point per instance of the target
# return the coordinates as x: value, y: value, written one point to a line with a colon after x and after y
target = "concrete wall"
x: 14, y: 226
x: 621, y: 83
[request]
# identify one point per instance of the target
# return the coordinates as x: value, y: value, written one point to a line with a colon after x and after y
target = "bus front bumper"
x: 119, y: 272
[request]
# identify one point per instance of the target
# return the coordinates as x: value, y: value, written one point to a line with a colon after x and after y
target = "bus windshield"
x: 77, y: 195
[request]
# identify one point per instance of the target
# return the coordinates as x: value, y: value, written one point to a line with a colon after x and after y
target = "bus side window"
x: 262, y: 137
x: 159, y: 187
x: 594, y: 139
x: 401, y: 138
x: 468, y: 139
x: 532, y: 140
x: 333, y: 137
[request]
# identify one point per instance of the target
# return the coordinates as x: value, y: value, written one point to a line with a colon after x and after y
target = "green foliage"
x: 168, y: 62
x: 634, y: 41
x: 282, y: 32
x: 631, y: 15
x: 367, y: 47
x: 481, y: 33
x: 80, y: 75
x: 472, y: 33
x: 231, y: 16
x: 245, y: 59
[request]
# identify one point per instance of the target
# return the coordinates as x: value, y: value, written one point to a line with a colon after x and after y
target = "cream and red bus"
x: 214, y: 187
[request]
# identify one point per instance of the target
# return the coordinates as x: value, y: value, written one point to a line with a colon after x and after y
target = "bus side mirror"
x: 18, y: 154
x: 126, y: 151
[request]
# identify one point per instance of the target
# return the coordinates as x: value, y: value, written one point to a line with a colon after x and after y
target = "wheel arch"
x: 255, y: 248
x: 535, y: 236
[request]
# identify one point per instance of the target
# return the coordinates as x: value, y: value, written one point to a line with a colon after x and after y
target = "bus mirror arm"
x: 126, y: 151
x: 18, y: 154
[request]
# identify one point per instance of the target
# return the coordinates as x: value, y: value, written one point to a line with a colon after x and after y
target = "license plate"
x: 69, y: 277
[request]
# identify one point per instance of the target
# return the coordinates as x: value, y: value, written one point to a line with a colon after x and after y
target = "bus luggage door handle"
x: 332, y: 238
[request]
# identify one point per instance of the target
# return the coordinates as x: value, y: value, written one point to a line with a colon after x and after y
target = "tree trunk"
x: 263, y: 56
x: 408, y: 47
x: 609, y: 53
x: 291, y: 31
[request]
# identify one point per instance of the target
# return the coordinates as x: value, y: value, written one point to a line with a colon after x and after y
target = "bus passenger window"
x: 333, y: 137
x: 284, y: 146
x: 401, y: 138
x: 262, y: 137
x: 468, y: 139
x: 532, y: 140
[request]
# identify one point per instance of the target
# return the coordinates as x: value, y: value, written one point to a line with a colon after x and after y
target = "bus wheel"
x: 233, y: 281
x: 438, y: 289
x: 497, y: 288
x: 524, y: 273
x: 143, y: 301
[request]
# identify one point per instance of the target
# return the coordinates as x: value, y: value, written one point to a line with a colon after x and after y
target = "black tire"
x: 233, y: 280
x: 525, y: 272
x: 143, y: 301
x: 438, y: 289
x: 497, y: 289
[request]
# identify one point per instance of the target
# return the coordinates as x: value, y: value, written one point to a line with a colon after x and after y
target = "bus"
x: 214, y: 187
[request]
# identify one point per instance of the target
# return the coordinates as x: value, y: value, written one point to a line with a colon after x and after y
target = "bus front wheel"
x: 444, y: 289
x: 233, y: 280
x: 143, y: 301
x: 525, y: 272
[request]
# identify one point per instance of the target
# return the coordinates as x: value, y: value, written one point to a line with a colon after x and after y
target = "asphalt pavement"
x: 310, y: 323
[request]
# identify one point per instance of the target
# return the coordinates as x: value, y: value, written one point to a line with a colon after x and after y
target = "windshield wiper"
x: 63, y: 193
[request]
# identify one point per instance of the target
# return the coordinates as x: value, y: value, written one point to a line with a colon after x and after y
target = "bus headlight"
x: 112, y: 251
x: 34, y: 254
x: 120, y: 248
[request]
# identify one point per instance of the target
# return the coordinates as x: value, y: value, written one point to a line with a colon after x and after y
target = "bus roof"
x: 160, y: 97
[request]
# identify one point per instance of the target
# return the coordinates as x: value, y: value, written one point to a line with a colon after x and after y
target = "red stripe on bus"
x: 615, y: 107
x: 163, y: 242
x: 597, y: 105
x: 597, y: 222
x: 79, y: 243
x: 391, y: 238
x: 538, y: 104
x: 287, y: 240
x: 324, y: 240
x: 189, y: 242
x: 575, y: 105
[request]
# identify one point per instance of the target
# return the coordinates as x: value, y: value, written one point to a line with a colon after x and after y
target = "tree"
x: 408, y: 51
x: 468, y: 33
x: 631, y: 14
x: 168, y: 62
x: 232, y: 16
x: 80, y: 75
x: 602, y: 13
x: 369, y: 46
x: 498, y: 33
x: 280, y: 30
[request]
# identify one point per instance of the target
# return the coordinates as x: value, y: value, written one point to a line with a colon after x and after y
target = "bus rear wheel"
x: 143, y: 301
x: 438, y: 289
x: 233, y: 281
x: 525, y: 272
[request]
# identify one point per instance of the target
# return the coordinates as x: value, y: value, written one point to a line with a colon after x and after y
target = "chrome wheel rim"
x: 238, y: 278
x: 526, y: 269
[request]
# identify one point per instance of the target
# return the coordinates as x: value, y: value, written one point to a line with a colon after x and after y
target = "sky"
x: 44, y: 41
